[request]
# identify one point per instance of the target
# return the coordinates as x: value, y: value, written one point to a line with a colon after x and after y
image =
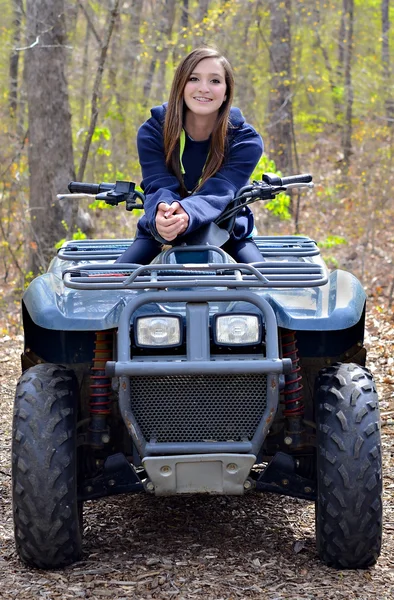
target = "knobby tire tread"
x: 44, y: 467
x: 349, y: 471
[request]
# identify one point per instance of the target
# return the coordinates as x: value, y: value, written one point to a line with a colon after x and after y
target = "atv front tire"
x: 349, y: 469
x: 44, y: 467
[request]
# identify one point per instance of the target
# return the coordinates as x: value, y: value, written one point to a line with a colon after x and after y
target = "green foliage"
x: 309, y: 122
x: 280, y: 205
x: 101, y: 132
x: 331, y: 261
x: 241, y: 30
x: 29, y: 276
x: 331, y: 241
x: 77, y: 235
x: 100, y: 204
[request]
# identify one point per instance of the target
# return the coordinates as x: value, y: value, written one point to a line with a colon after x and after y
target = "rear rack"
x: 93, y: 249
x: 280, y: 245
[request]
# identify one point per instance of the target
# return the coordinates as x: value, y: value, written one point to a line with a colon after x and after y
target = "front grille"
x: 199, y: 408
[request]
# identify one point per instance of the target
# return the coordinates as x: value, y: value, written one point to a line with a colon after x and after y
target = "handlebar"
x: 111, y: 193
x: 270, y: 186
x: 275, y: 180
x: 124, y: 191
x: 77, y: 187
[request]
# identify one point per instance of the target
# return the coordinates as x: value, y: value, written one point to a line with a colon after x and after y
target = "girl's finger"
x: 171, y: 209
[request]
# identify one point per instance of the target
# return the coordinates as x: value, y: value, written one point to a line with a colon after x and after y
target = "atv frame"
x: 292, y: 410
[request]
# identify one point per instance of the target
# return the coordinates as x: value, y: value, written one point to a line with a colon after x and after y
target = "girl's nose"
x: 203, y: 87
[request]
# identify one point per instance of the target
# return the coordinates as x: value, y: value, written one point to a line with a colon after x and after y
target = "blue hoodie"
x: 207, y: 204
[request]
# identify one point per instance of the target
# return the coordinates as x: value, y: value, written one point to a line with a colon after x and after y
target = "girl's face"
x: 205, y: 91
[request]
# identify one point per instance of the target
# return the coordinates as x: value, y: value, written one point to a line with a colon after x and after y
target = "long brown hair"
x: 175, y: 112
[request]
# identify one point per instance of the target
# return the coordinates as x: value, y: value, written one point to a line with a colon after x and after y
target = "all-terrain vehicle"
x: 195, y: 374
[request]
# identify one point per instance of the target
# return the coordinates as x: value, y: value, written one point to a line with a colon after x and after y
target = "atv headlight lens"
x: 158, y: 331
x: 237, y: 329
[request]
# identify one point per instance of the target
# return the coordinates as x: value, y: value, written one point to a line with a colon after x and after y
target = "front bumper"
x: 198, y: 363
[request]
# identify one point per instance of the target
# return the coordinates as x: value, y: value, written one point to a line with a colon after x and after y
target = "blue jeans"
x: 143, y: 250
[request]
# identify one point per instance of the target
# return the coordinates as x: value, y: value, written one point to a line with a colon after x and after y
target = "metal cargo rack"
x: 294, y: 267
x: 293, y: 245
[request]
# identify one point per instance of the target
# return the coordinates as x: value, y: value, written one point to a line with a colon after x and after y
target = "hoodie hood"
x: 236, y: 117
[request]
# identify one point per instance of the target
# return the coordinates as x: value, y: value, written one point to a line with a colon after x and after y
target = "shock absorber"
x: 100, y: 390
x: 293, y: 409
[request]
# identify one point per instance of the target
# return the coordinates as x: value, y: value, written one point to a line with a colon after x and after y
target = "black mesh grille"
x: 199, y: 408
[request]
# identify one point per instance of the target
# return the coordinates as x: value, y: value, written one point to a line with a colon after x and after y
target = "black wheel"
x: 47, y: 515
x: 349, y: 467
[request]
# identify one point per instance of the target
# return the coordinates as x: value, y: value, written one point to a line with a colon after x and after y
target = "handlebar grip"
x: 304, y: 178
x: 78, y: 187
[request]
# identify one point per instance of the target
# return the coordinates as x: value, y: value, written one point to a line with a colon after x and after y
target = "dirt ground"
x: 211, y: 548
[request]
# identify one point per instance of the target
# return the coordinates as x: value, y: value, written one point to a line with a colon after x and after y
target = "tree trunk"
x: 132, y: 44
x: 347, y: 127
x: 50, y: 151
x: 85, y: 65
x: 388, y: 87
x: 185, y: 14
x: 163, y: 53
x: 14, y: 59
x: 280, y: 97
x: 341, y: 42
x: 160, y: 51
x: 202, y: 9
x: 334, y: 85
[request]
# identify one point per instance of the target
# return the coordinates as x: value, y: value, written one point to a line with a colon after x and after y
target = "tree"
x: 50, y: 150
x: 389, y: 102
x: 160, y: 51
x: 348, y: 9
x: 280, y: 132
x: 14, y: 58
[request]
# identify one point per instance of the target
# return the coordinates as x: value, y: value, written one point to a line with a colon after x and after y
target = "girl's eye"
x: 215, y: 81
x: 193, y: 79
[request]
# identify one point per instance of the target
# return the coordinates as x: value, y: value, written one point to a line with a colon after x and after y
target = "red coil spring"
x: 100, y: 387
x: 293, y: 396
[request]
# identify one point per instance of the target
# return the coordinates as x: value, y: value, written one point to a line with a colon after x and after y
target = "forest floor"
x: 205, y: 548
x: 212, y: 548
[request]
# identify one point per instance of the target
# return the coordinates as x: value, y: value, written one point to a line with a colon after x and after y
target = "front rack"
x: 287, y: 261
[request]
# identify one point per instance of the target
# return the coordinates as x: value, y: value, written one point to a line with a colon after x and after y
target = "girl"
x: 195, y: 153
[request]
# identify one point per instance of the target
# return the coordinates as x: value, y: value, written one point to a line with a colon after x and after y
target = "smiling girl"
x: 195, y: 153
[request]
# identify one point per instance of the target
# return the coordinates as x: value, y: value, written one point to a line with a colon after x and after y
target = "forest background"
x: 314, y: 77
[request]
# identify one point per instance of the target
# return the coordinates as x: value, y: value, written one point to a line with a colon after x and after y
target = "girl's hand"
x: 171, y: 220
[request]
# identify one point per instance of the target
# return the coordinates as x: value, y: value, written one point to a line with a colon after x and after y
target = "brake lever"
x: 124, y: 191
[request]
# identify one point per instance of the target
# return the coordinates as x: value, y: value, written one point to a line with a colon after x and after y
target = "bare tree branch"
x: 90, y: 22
x: 97, y: 91
x: 10, y: 250
x: 16, y: 155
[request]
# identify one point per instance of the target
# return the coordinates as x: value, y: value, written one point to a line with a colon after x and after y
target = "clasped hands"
x: 171, y: 220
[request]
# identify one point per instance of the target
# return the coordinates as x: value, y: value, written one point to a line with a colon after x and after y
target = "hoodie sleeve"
x: 213, y: 197
x: 158, y: 183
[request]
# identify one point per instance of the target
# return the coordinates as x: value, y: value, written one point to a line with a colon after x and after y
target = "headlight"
x: 237, y: 329
x: 158, y: 331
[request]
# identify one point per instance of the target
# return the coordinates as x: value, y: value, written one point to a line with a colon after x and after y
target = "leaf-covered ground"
x: 211, y: 548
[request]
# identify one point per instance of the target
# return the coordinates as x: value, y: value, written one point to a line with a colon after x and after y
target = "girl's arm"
x: 158, y: 183
x: 208, y: 203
